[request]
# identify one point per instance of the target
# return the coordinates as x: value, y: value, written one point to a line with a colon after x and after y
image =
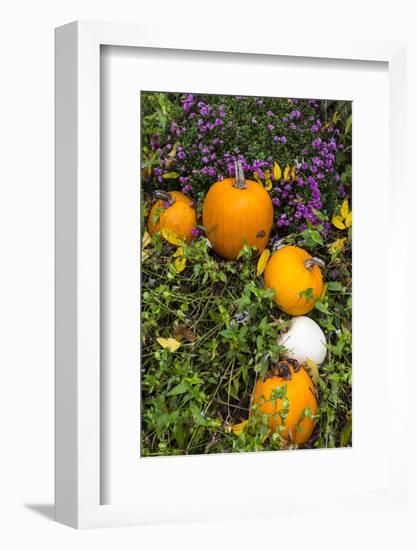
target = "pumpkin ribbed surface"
x: 300, y: 393
x: 180, y: 217
x: 233, y: 216
x: 296, y: 287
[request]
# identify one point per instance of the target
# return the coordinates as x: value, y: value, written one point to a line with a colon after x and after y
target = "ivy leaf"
x: 169, y: 343
x: 348, y: 220
x: 344, y: 211
x: 170, y: 236
x: 277, y: 172
x: 263, y: 260
x: 337, y: 221
x: 237, y: 429
x: 180, y: 264
x: 313, y: 370
x: 307, y: 294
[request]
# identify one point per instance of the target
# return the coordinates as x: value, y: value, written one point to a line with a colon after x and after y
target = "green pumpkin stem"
x: 240, y: 182
x: 314, y: 261
x: 164, y: 196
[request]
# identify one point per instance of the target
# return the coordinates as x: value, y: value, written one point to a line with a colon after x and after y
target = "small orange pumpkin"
x: 296, y: 427
x: 296, y: 278
x: 178, y: 214
x: 237, y: 211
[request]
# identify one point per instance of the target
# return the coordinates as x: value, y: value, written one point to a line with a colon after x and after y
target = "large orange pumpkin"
x: 177, y: 213
x: 237, y: 211
x: 297, y: 426
x: 296, y: 278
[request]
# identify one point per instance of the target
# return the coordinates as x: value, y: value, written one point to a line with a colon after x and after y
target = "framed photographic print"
x: 219, y: 313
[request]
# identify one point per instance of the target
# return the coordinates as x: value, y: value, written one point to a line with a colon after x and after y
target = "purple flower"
x: 295, y: 115
x: 187, y: 188
x: 270, y: 127
x: 269, y: 113
x: 314, y: 128
x: 184, y: 180
x: 342, y: 191
x: 155, y: 142
x: 260, y: 102
x: 195, y: 232
x: 218, y: 122
x: 276, y: 201
x: 181, y: 155
x: 316, y: 143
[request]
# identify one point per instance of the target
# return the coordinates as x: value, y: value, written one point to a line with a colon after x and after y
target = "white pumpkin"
x: 304, y: 339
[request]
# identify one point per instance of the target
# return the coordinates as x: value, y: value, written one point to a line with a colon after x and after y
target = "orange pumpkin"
x: 177, y: 213
x: 296, y: 278
x: 287, y: 414
x: 237, y: 211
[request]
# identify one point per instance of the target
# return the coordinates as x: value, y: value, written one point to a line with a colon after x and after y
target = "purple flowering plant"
x: 191, y: 141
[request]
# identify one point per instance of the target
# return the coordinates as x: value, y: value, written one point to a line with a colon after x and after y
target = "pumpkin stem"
x: 164, y: 196
x: 240, y: 182
x: 314, y: 261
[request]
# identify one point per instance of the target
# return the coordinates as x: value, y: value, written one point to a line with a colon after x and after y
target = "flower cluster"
x: 201, y: 137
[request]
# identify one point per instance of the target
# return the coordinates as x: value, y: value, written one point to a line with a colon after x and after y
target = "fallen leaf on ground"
x: 263, y: 260
x: 169, y: 343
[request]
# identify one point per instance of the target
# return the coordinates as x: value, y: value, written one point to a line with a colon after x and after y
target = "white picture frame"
x: 78, y: 405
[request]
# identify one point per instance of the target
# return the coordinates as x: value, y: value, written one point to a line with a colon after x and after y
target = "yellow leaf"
x: 170, y: 236
x: 178, y: 252
x: 268, y: 185
x: 337, y: 245
x: 344, y: 211
x: 180, y: 264
x: 145, y: 255
x: 337, y: 221
x: 335, y: 117
x: 170, y: 176
x: 293, y: 174
x: 277, y: 171
x: 287, y: 172
x: 313, y: 370
x: 173, y: 151
x: 256, y: 176
x: 348, y: 220
x: 169, y: 343
x: 237, y: 429
x: 263, y: 260
x: 267, y: 175
x: 323, y: 292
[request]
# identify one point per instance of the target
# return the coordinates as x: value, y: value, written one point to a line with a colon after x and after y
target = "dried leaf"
x: 268, y: 185
x: 173, y: 151
x: 348, y: 220
x: 237, y: 429
x: 146, y: 239
x: 169, y: 343
x: 287, y: 173
x: 344, y: 211
x: 180, y: 264
x: 337, y: 221
x: 184, y: 332
x: 263, y: 260
x: 293, y: 174
x: 313, y: 370
x: 277, y: 171
x: 170, y: 236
